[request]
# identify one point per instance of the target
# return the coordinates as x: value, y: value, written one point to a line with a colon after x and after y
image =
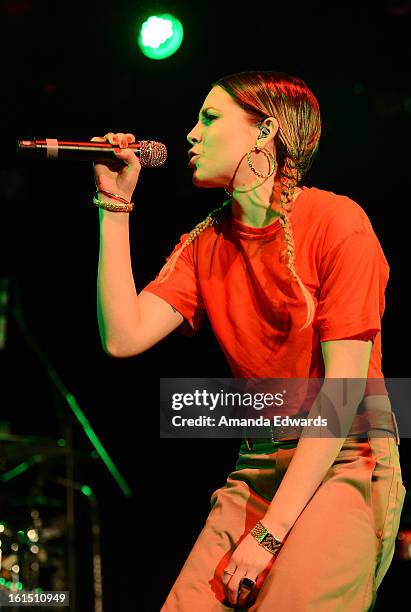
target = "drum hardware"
x: 21, y: 455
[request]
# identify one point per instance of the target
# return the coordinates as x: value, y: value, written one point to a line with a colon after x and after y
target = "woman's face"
x: 221, y: 139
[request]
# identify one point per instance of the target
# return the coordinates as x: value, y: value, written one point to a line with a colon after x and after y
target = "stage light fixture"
x: 160, y: 36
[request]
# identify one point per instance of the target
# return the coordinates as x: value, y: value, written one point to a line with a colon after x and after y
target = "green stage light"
x: 160, y: 36
x: 85, y: 489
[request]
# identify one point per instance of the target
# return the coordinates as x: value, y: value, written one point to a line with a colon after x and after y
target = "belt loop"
x: 245, y: 438
x: 397, y: 434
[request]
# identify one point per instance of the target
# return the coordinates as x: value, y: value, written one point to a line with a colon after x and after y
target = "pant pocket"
x: 389, y: 536
x: 386, y: 484
x: 387, y: 499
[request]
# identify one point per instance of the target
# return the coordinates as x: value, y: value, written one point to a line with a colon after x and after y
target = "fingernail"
x: 115, y: 139
x: 124, y: 142
x: 118, y: 150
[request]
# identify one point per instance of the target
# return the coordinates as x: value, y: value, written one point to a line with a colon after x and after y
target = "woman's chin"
x: 205, y: 183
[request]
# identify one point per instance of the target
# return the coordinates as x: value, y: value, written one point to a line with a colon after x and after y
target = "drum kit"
x: 39, y: 495
x: 35, y: 526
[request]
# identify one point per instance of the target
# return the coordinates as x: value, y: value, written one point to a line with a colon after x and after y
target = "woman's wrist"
x: 117, y: 195
x: 122, y: 217
x: 112, y: 202
x: 266, y: 538
x: 278, y: 529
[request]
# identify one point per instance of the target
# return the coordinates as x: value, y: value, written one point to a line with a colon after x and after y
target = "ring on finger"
x: 247, y: 583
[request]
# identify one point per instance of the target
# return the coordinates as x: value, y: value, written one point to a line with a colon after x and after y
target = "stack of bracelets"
x: 125, y: 205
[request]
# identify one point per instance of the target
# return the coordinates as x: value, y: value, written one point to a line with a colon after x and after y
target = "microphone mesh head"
x: 152, y: 153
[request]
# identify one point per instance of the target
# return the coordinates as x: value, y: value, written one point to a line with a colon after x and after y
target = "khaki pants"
x: 338, y: 550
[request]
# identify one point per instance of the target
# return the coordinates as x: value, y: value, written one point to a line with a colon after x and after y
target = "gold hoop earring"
x: 271, y: 162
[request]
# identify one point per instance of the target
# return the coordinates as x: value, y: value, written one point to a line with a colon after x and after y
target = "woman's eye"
x: 209, y: 117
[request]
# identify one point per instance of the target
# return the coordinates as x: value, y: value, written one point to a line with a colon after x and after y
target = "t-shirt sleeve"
x: 182, y: 290
x: 353, y: 278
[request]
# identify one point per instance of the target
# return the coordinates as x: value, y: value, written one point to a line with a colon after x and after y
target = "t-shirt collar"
x: 249, y: 232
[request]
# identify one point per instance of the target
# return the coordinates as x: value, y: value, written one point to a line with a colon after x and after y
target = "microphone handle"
x: 51, y: 148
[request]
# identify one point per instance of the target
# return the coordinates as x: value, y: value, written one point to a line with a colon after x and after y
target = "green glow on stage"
x: 160, y: 36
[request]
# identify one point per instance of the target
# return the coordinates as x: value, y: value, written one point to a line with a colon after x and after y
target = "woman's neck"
x: 258, y: 207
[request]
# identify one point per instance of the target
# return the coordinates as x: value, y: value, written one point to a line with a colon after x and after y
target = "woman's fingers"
x: 126, y: 154
x: 117, y: 177
x: 233, y: 589
x: 112, y: 138
x: 227, y: 576
x: 244, y: 592
x: 121, y: 142
x: 236, y: 593
x: 226, y: 579
x: 119, y: 139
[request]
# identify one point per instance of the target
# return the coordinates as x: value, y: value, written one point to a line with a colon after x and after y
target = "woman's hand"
x: 249, y: 559
x: 120, y: 175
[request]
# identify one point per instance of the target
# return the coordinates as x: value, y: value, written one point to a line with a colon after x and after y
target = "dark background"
x: 74, y: 71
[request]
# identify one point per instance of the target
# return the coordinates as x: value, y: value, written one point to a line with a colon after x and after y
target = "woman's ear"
x: 268, y: 128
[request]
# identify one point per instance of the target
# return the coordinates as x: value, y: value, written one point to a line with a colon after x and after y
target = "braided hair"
x: 287, y: 98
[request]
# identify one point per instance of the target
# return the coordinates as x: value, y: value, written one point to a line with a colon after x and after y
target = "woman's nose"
x: 192, y: 138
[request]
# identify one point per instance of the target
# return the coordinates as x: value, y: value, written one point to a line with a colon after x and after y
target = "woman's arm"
x: 129, y: 323
x: 313, y: 456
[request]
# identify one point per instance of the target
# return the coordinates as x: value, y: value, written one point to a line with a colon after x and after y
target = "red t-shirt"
x: 236, y: 275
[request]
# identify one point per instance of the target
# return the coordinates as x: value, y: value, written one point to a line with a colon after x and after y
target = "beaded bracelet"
x: 113, y: 207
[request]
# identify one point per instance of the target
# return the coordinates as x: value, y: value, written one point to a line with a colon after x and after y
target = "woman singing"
x: 292, y: 279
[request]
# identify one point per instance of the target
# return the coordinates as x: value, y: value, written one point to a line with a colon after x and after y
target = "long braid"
x: 287, y: 98
x: 195, y: 232
x: 288, y: 181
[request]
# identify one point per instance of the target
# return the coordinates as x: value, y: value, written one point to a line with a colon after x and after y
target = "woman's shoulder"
x: 206, y: 230
x: 337, y: 212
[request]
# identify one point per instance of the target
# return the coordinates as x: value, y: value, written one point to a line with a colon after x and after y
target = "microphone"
x: 150, y: 153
